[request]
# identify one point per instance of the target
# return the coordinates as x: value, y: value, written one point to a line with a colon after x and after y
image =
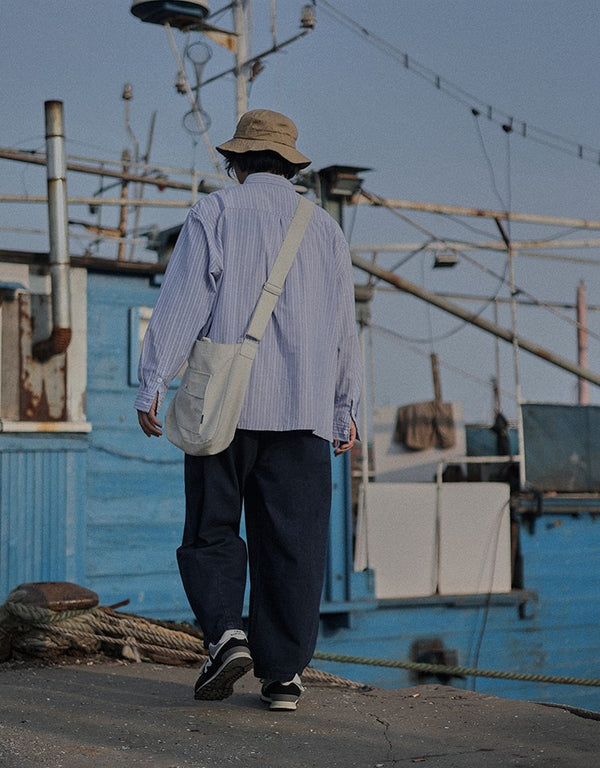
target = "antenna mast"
x: 241, y: 80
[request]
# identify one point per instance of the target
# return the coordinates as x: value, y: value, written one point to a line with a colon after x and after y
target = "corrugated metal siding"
x: 42, y: 502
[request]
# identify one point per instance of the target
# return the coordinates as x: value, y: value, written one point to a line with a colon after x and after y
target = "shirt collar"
x: 267, y: 178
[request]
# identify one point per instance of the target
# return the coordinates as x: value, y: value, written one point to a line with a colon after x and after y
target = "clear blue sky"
x: 356, y: 103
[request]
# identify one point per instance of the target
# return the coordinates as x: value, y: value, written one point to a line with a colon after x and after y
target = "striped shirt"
x: 307, y: 373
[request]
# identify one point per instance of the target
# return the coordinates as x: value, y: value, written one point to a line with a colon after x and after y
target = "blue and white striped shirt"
x: 307, y: 373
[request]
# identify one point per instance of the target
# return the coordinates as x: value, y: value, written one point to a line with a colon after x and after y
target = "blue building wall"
x: 135, y: 501
x: 106, y: 509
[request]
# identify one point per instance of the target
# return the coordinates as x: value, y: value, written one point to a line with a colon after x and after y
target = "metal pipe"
x: 140, y: 192
x: 480, y: 322
x: 247, y: 62
x: 515, y: 344
x: 60, y: 336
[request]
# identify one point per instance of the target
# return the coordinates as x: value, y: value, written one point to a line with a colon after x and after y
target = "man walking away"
x: 303, y: 396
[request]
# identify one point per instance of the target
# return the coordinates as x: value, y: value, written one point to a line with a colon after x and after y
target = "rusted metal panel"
x: 10, y: 358
x: 42, y: 385
x: 58, y: 596
x: 47, y: 391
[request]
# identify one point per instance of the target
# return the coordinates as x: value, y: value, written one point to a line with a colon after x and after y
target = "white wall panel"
x: 474, y: 539
x: 397, y: 539
x: 400, y: 530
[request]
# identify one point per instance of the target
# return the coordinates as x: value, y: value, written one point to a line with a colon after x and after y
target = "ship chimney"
x: 56, y: 172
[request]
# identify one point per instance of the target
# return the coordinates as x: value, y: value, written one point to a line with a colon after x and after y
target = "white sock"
x: 295, y: 679
x: 239, y: 634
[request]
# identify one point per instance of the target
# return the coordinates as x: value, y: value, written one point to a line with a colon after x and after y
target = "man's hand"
x: 343, y: 447
x: 149, y: 422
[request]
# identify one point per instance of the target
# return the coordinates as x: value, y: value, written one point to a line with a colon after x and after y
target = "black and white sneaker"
x: 226, y: 663
x: 281, y: 696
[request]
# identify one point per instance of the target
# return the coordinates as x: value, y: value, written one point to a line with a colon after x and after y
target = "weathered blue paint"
x: 135, y: 503
x: 482, y: 441
x: 558, y: 633
x: 42, y: 509
x: 339, y: 566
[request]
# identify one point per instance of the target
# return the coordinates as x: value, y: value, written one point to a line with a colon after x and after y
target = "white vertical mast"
x: 239, y: 21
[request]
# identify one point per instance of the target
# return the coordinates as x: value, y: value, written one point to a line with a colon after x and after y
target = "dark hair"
x: 261, y: 161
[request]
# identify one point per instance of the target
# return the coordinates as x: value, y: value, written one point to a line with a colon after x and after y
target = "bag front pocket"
x: 204, y: 413
x: 190, y: 400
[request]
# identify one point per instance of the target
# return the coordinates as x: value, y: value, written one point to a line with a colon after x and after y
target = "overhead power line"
x: 404, y: 341
x: 478, y: 107
x: 377, y: 200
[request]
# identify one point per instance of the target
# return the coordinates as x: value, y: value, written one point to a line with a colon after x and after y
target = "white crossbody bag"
x: 204, y: 414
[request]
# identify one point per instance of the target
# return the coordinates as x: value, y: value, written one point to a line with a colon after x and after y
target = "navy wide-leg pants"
x: 284, y: 482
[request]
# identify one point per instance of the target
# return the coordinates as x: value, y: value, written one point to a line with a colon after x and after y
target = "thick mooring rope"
x: 443, y: 669
x: 38, y: 631
x: 34, y: 630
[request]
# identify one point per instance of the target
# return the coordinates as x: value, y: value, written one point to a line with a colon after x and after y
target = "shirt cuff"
x: 341, y: 427
x: 147, y: 393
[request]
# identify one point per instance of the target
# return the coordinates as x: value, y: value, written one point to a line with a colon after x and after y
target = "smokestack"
x: 56, y: 171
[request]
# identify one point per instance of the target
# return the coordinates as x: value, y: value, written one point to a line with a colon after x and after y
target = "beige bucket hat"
x: 262, y: 129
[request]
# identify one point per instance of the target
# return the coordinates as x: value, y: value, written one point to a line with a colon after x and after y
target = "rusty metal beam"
x: 366, y: 198
x: 162, y: 183
x: 98, y: 201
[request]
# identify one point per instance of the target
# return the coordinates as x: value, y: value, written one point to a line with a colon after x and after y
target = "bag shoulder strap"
x: 274, y: 285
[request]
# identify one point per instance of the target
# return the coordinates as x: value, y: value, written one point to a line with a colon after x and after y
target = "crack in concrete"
x: 391, y: 760
x: 386, y: 728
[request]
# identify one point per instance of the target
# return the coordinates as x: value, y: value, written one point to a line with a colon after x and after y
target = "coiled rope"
x: 36, y: 631
x: 456, y: 671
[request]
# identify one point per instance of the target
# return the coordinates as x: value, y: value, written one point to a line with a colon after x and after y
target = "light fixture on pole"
x: 445, y: 259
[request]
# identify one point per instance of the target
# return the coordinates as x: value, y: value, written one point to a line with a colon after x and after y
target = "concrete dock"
x: 112, y: 714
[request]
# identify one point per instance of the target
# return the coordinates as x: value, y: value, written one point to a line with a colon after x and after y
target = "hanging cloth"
x: 429, y: 424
